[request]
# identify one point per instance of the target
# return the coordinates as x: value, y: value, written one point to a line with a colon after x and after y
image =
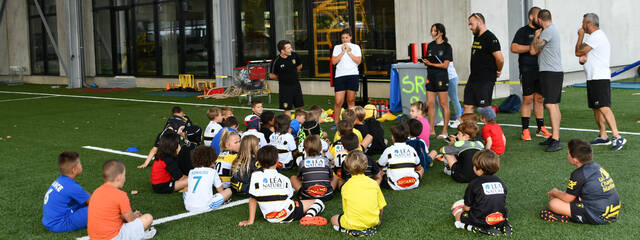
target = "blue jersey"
x: 215, y: 142
x: 295, y: 127
x: 63, y: 197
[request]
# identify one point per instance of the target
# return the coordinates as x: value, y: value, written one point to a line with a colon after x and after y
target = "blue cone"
x: 132, y: 149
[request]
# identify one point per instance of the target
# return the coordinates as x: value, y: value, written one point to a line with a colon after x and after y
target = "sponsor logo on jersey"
x: 606, y: 181
x: 316, y: 190
x: 572, y: 184
x: 494, y: 218
x: 403, y: 153
x: 492, y: 188
x: 314, y: 163
x: 276, y: 215
x: 406, y: 182
x: 273, y: 183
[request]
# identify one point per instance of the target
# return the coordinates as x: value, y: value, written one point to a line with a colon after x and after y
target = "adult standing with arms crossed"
x: 440, y: 52
x: 284, y: 69
x: 595, y: 54
x: 347, y: 56
x: 529, y: 77
x: 546, y: 44
x: 486, y: 65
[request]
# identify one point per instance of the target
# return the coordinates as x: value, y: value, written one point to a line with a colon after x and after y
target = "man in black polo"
x: 529, y: 77
x: 486, y: 65
x: 284, y: 69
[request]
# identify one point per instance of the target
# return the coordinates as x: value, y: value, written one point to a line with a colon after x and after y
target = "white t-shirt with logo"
x: 210, y: 131
x: 273, y: 191
x: 199, y: 195
x: 400, y: 160
x: 285, y: 145
x: 259, y: 135
x: 598, y: 59
x: 347, y: 66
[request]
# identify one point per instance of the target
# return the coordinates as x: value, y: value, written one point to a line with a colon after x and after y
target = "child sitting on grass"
x: 362, y: 200
x: 378, y: 142
x: 215, y: 119
x: 403, y: 169
x: 272, y: 191
x: 591, y: 195
x: 229, y: 124
x: 358, y: 124
x: 492, y: 132
x: 415, y: 127
x: 267, y: 120
x: 284, y: 142
x: 193, y: 140
x: 257, y: 108
x: 230, y: 145
x: 419, y: 111
x: 226, y: 112
x: 110, y: 213
x: 300, y: 118
x: 65, y: 202
x: 311, y: 126
x: 348, y: 120
x: 253, y: 125
x: 350, y: 143
x: 483, y: 208
x: 458, y: 157
x: 166, y: 176
x: 176, y: 123
x: 203, y: 179
x: 315, y: 179
x: 245, y: 164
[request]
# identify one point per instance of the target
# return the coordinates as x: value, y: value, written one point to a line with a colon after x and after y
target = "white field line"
x: 169, y: 218
x: 134, y: 100
x: 30, y: 98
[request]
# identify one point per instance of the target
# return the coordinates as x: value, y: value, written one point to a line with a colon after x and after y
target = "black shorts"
x: 438, y: 83
x: 579, y: 214
x: 298, y: 212
x: 530, y: 82
x: 349, y: 82
x: 167, y: 187
x: 479, y: 93
x: 290, y: 96
x: 599, y: 93
x: 551, y: 85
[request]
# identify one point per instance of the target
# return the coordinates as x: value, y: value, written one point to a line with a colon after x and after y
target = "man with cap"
x: 492, y: 134
x: 252, y: 122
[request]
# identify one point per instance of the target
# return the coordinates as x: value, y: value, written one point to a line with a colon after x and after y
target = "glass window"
x: 36, y: 39
x: 375, y: 33
x: 255, y: 29
x: 291, y: 20
x: 101, y: 3
x: 102, y: 39
x: 169, y: 33
x: 52, y: 58
x: 43, y: 56
x: 329, y: 18
x: 197, y: 41
x: 145, y: 41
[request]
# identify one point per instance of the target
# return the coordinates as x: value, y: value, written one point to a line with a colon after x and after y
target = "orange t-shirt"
x: 106, y: 206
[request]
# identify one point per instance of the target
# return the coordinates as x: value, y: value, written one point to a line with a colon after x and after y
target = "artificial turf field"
x: 41, y: 128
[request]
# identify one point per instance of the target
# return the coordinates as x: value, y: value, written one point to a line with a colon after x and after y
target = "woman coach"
x: 347, y: 56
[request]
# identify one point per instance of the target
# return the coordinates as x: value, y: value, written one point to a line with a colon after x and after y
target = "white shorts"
x: 131, y: 230
x: 213, y: 203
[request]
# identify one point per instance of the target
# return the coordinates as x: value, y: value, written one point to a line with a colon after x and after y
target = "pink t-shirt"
x: 426, y: 129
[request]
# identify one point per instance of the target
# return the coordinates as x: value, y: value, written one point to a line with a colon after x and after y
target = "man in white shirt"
x: 347, y: 56
x: 595, y: 54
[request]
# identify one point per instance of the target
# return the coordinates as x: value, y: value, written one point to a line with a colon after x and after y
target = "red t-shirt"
x: 494, y: 131
x: 163, y: 171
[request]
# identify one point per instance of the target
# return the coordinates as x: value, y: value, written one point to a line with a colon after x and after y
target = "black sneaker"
x: 546, y: 142
x: 555, y: 145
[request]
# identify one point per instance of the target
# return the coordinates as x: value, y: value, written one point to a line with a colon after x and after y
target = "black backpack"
x: 511, y: 105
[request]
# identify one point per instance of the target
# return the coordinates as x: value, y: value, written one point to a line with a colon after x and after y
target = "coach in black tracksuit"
x: 285, y: 70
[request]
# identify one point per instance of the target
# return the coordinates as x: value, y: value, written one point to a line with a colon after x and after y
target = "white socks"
x: 315, y: 209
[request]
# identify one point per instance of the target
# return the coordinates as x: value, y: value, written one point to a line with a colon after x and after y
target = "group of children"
x: 249, y: 164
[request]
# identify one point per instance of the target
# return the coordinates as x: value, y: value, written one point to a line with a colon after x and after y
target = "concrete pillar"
x: 89, y: 49
x: 62, y: 32
x: 224, y: 39
x: 17, y: 25
x: 4, y: 55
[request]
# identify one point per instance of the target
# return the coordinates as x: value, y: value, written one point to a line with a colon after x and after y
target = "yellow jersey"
x: 362, y: 201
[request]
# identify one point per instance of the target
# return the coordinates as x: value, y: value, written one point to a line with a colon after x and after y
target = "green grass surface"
x: 42, y: 128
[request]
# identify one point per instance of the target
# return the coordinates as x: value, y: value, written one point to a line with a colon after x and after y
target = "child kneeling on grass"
x: 272, y: 191
x: 458, y: 157
x: 110, y: 214
x: 483, y: 208
x: 591, y: 196
x: 403, y: 169
x: 362, y: 200
x: 65, y: 202
x: 203, y: 178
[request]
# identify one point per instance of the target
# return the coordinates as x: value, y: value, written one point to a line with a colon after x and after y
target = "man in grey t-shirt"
x: 546, y: 44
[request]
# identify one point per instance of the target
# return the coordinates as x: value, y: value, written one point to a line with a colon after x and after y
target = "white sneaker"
x: 150, y: 233
x: 458, y: 224
x: 441, y: 123
x: 454, y: 123
x: 447, y: 171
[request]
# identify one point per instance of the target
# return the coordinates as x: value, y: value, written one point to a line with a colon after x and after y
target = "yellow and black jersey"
x: 223, y: 166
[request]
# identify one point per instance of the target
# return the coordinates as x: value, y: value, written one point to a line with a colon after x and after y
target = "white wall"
x: 617, y: 19
x: 496, y: 17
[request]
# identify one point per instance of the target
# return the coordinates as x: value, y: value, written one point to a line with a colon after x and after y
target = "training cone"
x: 168, y: 86
x: 132, y: 149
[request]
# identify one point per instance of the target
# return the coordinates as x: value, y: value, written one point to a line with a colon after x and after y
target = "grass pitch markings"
x: 22, y: 99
